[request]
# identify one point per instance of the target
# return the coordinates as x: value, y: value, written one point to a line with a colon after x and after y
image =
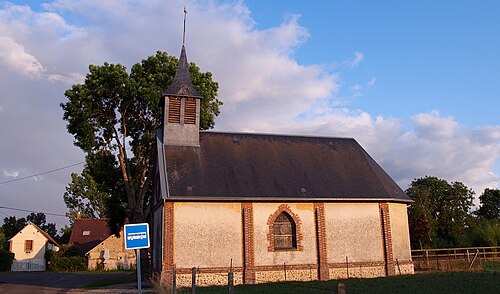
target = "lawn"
x: 457, y: 282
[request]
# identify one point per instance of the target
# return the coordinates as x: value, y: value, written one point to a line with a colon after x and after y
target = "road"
x: 50, y: 282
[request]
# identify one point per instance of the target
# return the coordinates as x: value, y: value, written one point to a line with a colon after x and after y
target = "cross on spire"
x: 184, y: 31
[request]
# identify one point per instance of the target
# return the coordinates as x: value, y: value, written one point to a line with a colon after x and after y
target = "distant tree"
x: 115, y: 114
x: 65, y: 235
x: 490, y: 204
x: 485, y: 232
x: 3, y: 240
x: 440, y: 214
x: 12, y: 225
x: 39, y: 219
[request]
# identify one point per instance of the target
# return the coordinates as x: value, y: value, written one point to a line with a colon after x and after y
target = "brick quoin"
x: 168, y: 242
x: 248, y: 243
x: 385, y: 220
x: 323, y: 270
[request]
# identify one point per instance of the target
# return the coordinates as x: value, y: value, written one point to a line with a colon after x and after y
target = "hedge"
x: 6, y: 259
x: 67, y: 264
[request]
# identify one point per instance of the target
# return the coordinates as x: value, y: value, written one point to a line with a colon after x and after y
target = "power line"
x: 26, y: 210
x: 42, y: 173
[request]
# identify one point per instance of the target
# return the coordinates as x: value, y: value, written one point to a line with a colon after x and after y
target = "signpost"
x: 137, y: 237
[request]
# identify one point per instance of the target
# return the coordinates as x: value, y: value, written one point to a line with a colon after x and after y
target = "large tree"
x: 490, y: 204
x: 440, y: 214
x: 114, y: 115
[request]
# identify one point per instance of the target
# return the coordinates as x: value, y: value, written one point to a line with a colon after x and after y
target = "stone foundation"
x: 357, y: 272
x: 290, y: 275
x: 208, y: 279
x: 405, y: 269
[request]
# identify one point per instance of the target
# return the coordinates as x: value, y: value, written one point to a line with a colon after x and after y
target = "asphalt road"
x: 49, y: 282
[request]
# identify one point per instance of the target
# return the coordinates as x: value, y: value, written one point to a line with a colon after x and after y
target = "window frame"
x: 28, y: 249
x: 296, y: 231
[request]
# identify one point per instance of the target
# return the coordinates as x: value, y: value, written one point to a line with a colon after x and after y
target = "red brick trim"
x: 280, y: 267
x: 270, y: 235
x: 210, y: 270
x: 248, y: 243
x: 168, y: 242
x: 385, y: 221
x: 356, y: 264
x: 319, y: 215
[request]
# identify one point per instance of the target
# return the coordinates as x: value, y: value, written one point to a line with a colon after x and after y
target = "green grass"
x: 458, y: 282
x: 491, y: 267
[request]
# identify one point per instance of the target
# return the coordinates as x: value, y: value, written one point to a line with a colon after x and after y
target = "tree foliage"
x: 113, y: 117
x: 440, y: 214
x: 12, y: 225
x: 490, y: 204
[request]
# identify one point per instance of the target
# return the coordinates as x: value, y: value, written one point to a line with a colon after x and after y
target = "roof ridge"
x: 274, y: 134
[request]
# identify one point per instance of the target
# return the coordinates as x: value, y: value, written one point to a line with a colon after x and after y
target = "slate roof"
x: 98, y: 231
x: 181, y: 84
x: 261, y: 167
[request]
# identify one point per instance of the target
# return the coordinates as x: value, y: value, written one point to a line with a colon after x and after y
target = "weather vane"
x: 184, y: 32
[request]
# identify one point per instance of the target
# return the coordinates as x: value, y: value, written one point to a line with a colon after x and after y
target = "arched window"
x: 285, y: 232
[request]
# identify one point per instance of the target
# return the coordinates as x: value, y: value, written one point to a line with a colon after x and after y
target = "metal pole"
x: 193, y: 280
x: 138, y: 266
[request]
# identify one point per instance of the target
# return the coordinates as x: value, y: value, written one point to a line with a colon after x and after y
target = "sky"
x: 416, y: 83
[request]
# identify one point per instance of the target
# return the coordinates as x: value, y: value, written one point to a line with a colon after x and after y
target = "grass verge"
x: 459, y: 282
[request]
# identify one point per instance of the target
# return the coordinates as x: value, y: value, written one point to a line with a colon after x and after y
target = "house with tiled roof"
x: 268, y: 207
x: 29, y: 246
x: 103, y: 249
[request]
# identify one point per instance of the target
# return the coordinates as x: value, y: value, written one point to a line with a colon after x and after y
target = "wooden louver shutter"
x: 190, y: 111
x: 174, y: 110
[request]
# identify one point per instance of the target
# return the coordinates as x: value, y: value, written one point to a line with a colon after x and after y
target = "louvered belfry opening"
x: 174, y: 110
x: 285, y: 233
x: 190, y: 111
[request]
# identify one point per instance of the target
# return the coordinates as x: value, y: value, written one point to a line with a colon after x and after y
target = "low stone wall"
x: 208, y: 279
x: 358, y: 272
x: 405, y: 269
x: 289, y: 275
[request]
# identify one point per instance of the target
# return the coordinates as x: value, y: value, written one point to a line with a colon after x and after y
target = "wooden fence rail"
x: 469, y: 258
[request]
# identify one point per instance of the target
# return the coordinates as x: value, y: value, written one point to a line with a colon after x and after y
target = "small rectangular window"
x: 86, y: 233
x: 28, y: 245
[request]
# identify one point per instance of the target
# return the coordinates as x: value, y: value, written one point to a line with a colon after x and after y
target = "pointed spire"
x: 181, y: 84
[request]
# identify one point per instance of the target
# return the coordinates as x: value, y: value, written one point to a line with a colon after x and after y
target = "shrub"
x: 68, y: 264
x: 6, y: 259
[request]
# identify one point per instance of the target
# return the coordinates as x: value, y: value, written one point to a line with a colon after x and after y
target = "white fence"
x: 31, y: 265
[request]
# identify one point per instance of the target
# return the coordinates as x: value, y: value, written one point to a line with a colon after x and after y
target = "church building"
x: 268, y: 207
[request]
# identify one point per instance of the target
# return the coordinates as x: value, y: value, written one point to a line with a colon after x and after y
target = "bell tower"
x: 181, y: 117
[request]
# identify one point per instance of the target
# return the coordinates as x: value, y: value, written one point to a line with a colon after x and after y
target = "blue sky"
x: 416, y: 83
x: 425, y: 55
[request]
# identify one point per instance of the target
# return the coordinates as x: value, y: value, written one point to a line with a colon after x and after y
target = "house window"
x: 28, y: 246
x: 174, y: 110
x: 285, y: 232
x: 86, y: 233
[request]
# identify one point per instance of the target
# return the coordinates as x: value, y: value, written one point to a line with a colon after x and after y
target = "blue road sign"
x: 136, y: 236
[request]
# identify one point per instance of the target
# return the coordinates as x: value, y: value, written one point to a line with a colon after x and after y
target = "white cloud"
x: 358, y: 57
x: 15, y: 57
x: 70, y: 79
x: 10, y: 174
x: 356, y: 87
x: 264, y: 88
